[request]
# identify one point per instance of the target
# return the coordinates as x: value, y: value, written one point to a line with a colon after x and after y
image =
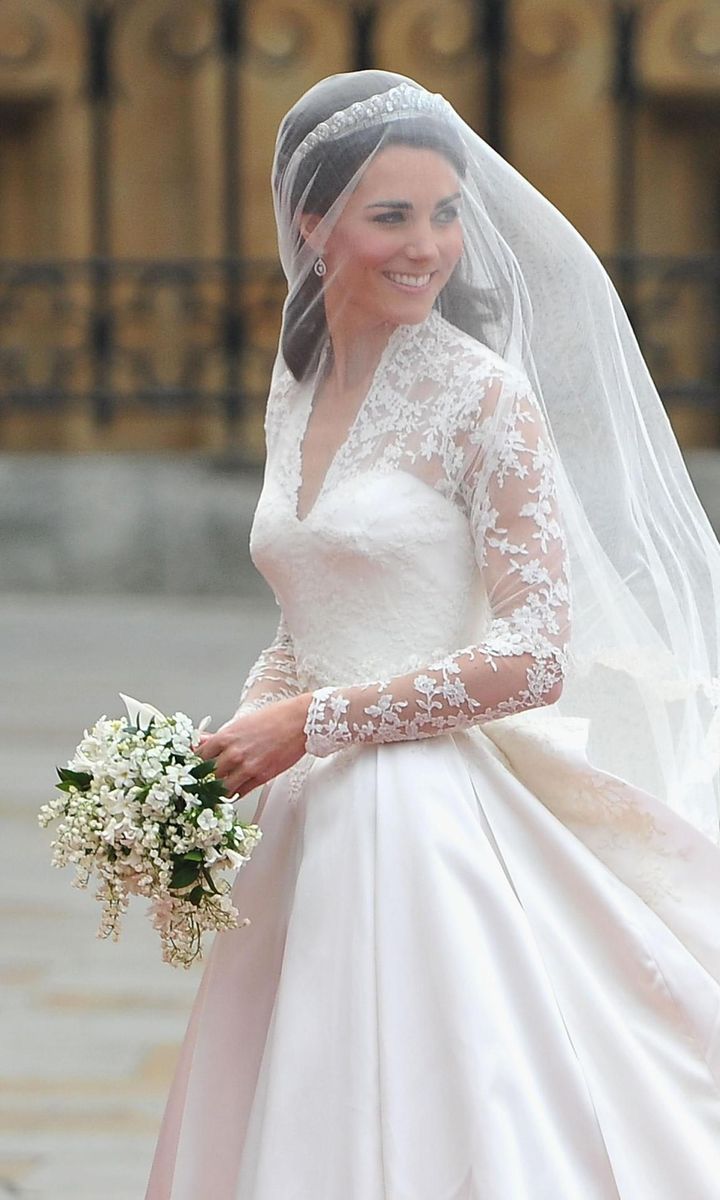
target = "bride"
x: 483, y: 960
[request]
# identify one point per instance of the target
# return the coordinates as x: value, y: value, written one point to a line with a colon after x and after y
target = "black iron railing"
x: 181, y: 333
x: 187, y: 333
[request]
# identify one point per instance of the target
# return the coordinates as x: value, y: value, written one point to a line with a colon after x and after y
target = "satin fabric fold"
x: 446, y: 993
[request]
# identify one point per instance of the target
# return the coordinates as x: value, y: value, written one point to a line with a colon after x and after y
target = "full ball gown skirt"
x: 444, y: 994
x: 479, y: 967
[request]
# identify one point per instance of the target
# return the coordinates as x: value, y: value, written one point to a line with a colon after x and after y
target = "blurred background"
x: 139, y: 309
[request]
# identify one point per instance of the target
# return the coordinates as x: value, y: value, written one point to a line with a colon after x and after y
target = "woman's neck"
x: 356, y: 350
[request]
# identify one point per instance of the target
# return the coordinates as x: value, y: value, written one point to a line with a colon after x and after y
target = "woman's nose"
x: 422, y: 244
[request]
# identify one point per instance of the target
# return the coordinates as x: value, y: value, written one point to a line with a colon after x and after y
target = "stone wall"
x: 148, y: 524
x: 126, y: 523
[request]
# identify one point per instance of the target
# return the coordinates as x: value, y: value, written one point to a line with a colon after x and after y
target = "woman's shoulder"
x: 471, y: 359
x: 470, y: 375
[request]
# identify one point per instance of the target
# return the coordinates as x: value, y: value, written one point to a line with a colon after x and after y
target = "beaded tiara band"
x: 398, y: 102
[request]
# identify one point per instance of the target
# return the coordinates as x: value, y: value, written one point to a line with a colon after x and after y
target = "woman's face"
x: 397, y: 240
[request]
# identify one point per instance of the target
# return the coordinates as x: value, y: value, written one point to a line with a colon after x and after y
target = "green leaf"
x: 184, y: 873
x: 202, y: 769
x: 196, y: 894
x: 193, y: 856
x: 209, y: 881
x: 210, y: 791
x: 81, y: 779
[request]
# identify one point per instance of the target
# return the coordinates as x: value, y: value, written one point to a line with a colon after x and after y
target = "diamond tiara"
x: 398, y: 102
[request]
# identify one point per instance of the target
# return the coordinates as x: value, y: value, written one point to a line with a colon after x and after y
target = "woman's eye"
x: 444, y: 216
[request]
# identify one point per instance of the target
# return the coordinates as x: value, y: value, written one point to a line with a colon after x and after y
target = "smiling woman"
x: 412, y: 241
x: 325, y: 188
x: 386, y: 262
x: 483, y: 957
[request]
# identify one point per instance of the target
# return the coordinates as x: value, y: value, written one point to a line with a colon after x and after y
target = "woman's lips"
x: 410, y: 283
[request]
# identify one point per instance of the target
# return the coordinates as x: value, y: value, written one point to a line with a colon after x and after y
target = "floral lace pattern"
x: 521, y: 551
x: 273, y: 676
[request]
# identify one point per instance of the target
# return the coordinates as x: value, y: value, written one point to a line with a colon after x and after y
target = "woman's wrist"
x: 302, y: 705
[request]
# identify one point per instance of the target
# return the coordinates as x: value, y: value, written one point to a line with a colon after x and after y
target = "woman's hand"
x: 256, y: 746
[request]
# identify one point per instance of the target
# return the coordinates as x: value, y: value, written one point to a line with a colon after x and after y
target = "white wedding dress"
x: 478, y: 968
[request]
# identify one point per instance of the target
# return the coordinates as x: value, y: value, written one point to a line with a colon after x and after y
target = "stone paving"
x: 89, y: 1029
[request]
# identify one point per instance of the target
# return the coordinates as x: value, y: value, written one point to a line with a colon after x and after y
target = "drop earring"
x: 320, y: 267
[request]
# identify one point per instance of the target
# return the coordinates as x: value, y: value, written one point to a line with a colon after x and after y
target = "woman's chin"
x: 412, y: 311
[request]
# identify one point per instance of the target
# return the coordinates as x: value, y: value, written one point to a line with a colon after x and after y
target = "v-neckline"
x: 343, y: 443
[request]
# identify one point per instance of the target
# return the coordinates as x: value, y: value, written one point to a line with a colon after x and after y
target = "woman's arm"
x: 521, y: 551
x: 273, y: 676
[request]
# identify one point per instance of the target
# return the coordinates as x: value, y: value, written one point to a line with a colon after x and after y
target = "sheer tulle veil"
x: 643, y: 666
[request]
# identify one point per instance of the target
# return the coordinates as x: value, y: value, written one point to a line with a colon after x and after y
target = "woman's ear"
x: 308, y: 224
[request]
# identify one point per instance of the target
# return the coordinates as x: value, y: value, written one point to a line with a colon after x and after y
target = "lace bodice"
x: 427, y: 588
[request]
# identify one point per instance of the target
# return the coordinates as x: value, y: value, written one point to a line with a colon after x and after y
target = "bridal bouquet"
x: 143, y: 812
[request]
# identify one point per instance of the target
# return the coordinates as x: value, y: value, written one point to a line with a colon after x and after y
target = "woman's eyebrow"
x: 390, y: 204
x: 405, y: 204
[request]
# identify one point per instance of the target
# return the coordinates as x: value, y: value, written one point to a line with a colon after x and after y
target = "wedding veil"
x: 644, y: 562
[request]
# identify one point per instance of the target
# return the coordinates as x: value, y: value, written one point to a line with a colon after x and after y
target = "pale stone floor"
x: 90, y: 1029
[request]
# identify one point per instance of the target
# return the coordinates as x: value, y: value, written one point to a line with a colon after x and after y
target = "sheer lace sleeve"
x: 508, y: 489
x: 273, y: 676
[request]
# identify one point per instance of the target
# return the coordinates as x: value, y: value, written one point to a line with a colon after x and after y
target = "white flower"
x: 209, y: 831
x: 163, y: 734
x: 200, y: 729
x: 114, y: 800
x: 157, y: 799
x: 140, y: 713
x: 108, y: 833
x: 178, y: 774
x: 127, y: 828
x: 121, y: 773
x: 151, y: 767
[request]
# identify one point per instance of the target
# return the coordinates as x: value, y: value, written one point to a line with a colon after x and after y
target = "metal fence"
x: 183, y: 333
x: 164, y: 334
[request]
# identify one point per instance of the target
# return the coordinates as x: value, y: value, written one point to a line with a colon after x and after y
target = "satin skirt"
x: 478, y: 969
